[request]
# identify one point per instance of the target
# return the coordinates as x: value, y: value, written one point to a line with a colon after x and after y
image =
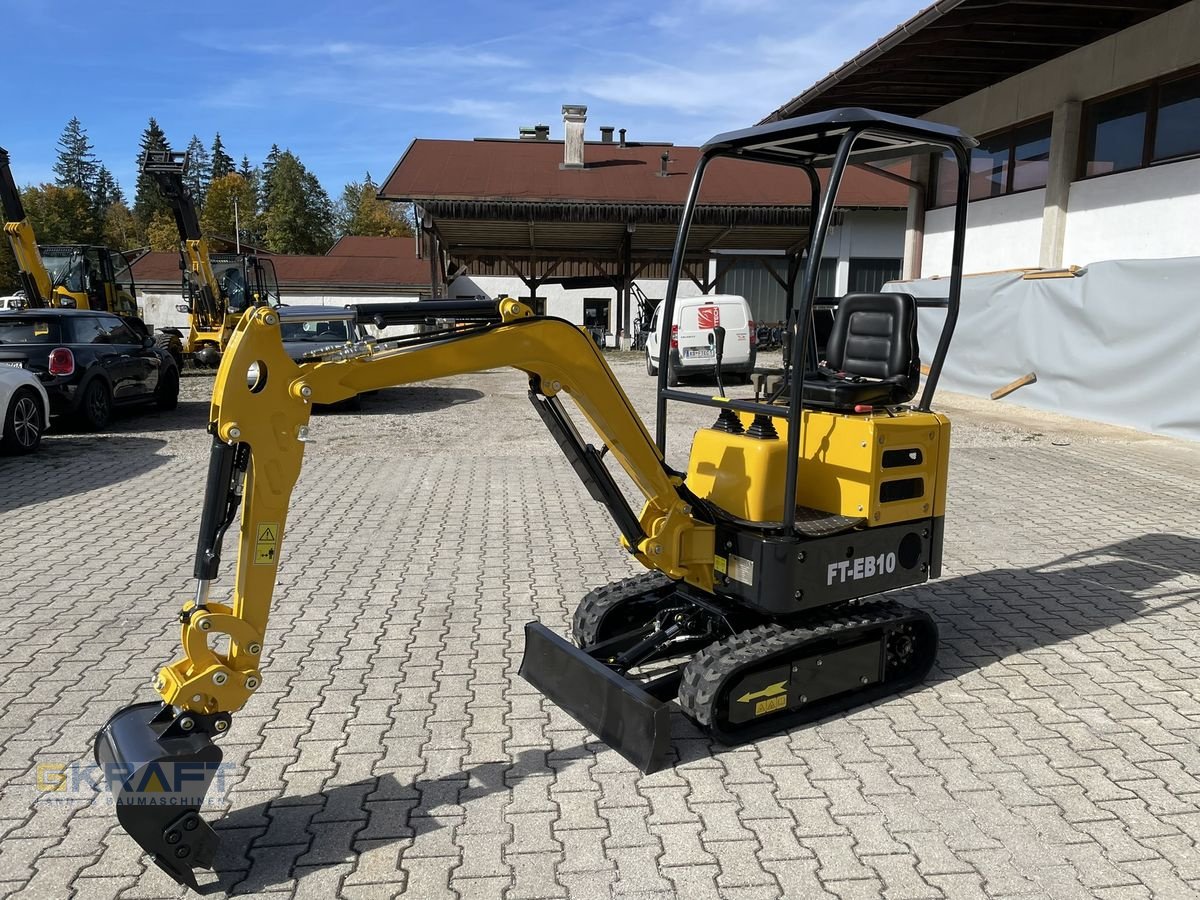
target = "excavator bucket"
x: 615, y: 709
x: 159, y: 764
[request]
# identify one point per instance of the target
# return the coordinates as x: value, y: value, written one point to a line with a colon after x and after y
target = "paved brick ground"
x: 1054, y: 752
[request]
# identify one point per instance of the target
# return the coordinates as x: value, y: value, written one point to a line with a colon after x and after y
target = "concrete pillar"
x: 914, y: 224
x: 1064, y: 156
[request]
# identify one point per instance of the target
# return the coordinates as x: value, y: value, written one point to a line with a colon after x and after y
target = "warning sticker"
x: 765, y: 706
x: 741, y: 569
x: 266, y: 543
x: 719, y: 564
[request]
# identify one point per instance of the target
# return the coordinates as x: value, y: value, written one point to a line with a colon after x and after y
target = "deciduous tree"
x: 218, y: 215
x: 361, y: 212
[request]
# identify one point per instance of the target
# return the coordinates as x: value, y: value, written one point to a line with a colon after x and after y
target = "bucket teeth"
x: 159, y: 764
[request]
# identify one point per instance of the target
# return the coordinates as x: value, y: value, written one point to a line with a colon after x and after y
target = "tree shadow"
x: 65, y: 466
x: 407, y: 400
x: 273, y: 843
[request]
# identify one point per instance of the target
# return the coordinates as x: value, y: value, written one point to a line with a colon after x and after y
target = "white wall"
x: 864, y: 233
x: 1146, y: 214
x: 159, y: 311
x: 1003, y: 233
x: 566, y: 304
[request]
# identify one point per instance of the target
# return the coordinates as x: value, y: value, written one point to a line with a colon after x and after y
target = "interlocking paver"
x: 1054, y: 751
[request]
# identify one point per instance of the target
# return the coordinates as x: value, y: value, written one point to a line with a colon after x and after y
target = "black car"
x: 89, y: 362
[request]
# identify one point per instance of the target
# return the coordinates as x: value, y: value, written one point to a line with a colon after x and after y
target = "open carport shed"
x: 607, y: 215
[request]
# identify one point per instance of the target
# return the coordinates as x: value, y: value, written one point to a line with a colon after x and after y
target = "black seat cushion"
x: 874, y: 340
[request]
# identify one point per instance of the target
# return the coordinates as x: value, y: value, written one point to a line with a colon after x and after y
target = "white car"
x: 693, y: 338
x: 24, y: 410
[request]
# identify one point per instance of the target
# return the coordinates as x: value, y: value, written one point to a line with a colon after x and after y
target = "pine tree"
x: 222, y: 162
x: 199, y: 171
x: 245, y: 169
x: 299, y: 216
x: 106, y: 192
x: 147, y: 200
x: 268, y: 170
x: 76, y: 165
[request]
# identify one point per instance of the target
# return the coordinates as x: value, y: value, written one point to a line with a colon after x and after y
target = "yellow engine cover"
x: 878, y: 467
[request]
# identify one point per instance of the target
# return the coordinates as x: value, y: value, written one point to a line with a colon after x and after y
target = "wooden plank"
x: 1013, y: 385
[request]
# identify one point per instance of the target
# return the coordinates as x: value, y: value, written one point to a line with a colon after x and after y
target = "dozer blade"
x: 158, y: 764
x: 615, y: 709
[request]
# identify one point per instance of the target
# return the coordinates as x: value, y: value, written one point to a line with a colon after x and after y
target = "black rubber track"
x: 713, y: 667
x: 594, y: 621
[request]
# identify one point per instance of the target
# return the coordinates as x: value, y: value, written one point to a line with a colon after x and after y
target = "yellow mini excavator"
x: 79, y: 276
x: 219, y: 287
x: 758, y: 612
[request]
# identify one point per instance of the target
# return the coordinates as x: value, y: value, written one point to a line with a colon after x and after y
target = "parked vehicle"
x: 89, y: 362
x: 24, y: 409
x: 693, y: 340
x: 312, y: 340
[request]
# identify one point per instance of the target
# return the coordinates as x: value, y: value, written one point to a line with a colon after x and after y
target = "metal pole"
x: 963, y: 158
x: 800, y: 347
x: 237, y: 228
x: 668, y: 305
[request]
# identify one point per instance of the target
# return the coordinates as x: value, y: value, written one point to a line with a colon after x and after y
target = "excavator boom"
x: 35, y: 280
x: 167, y: 168
x: 259, y: 417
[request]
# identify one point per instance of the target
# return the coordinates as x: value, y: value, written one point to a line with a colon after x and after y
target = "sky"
x: 347, y: 85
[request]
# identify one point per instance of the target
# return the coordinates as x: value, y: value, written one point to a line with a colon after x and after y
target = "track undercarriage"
x: 738, y: 674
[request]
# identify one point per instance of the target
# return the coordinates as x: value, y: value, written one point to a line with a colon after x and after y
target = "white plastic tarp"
x: 1120, y: 343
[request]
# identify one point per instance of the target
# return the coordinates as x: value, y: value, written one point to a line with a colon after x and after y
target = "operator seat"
x: 872, y: 358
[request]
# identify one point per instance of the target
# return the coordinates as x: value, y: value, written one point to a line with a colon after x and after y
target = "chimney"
x: 606, y: 134
x: 542, y: 132
x: 573, y: 118
x: 622, y: 137
x: 662, y: 165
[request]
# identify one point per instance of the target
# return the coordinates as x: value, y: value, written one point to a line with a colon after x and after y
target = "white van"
x: 693, y: 342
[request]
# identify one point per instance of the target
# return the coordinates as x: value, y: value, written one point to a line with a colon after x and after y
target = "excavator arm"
x: 167, y: 168
x: 259, y: 422
x: 35, y: 280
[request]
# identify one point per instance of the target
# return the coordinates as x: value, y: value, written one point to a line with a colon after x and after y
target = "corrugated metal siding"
x: 768, y: 301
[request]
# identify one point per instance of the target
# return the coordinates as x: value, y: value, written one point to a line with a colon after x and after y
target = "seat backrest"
x: 875, y: 335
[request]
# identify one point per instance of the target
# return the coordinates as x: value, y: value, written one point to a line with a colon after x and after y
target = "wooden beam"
x: 1031, y: 378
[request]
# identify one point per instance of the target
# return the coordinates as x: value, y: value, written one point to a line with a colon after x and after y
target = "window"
x: 1116, y: 133
x: 537, y: 304
x: 1177, y: 131
x: 117, y: 332
x: 1014, y: 160
x: 595, y: 312
x: 1156, y: 123
x: 88, y: 330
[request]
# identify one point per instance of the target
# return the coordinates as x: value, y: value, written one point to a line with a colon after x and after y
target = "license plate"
x: 13, y: 363
x: 698, y: 353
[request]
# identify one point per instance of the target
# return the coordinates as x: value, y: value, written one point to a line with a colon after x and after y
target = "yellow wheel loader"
x: 759, y: 610
x: 78, y: 276
x: 219, y: 287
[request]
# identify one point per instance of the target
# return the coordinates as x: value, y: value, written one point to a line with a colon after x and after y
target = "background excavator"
x: 79, y: 276
x: 219, y: 287
x: 765, y: 555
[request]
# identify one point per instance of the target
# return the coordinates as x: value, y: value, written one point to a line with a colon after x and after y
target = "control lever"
x: 717, y: 338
